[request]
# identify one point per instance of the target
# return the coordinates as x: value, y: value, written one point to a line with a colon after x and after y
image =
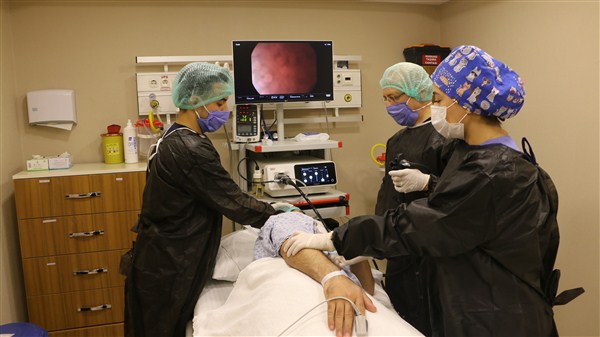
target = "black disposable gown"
x: 407, y: 276
x: 483, y: 227
x: 187, y: 193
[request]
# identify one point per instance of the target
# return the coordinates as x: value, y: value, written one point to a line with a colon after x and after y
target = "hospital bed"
x: 265, y: 297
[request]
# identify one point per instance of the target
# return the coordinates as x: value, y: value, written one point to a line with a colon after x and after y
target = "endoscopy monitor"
x: 282, y: 71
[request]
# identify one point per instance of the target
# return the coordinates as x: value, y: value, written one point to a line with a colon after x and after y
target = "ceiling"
x: 421, y: 2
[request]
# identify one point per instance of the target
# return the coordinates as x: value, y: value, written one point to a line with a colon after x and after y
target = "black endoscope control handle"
x: 399, y: 163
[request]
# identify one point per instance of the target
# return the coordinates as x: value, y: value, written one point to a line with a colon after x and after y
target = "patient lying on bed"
x: 317, y: 265
x: 280, y: 227
x: 269, y: 298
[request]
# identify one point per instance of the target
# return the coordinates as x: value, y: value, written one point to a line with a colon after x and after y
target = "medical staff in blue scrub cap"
x: 487, y: 223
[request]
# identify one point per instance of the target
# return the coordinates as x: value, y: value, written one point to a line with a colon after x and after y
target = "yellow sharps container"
x: 112, y: 145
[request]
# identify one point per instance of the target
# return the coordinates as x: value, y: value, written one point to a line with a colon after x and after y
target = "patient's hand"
x: 340, y: 314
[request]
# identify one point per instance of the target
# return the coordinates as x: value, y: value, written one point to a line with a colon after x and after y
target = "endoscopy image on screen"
x: 296, y: 63
x: 282, y: 71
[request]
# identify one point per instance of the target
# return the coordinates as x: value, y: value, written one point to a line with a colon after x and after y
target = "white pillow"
x: 235, y: 253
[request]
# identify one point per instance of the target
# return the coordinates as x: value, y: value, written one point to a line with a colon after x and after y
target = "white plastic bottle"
x: 130, y: 143
x: 257, y: 184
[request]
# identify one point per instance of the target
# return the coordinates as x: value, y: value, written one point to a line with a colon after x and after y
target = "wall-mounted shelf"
x: 156, y: 87
x: 166, y: 60
x: 287, y: 145
x: 331, y: 119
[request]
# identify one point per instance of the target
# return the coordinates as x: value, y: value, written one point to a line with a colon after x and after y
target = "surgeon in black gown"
x: 488, y: 225
x: 186, y: 195
x: 407, y: 92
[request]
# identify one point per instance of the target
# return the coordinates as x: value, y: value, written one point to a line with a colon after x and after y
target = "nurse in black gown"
x: 488, y: 225
x: 187, y: 194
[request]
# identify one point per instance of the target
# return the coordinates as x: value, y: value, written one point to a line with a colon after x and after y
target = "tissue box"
x: 37, y: 164
x: 60, y: 162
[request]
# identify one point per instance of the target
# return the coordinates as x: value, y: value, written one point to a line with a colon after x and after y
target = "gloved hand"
x: 301, y: 240
x: 283, y: 206
x: 341, y: 262
x: 409, y: 180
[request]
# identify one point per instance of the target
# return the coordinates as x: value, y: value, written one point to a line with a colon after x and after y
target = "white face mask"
x: 448, y: 130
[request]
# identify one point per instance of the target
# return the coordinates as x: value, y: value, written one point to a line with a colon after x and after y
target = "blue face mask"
x: 215, y: 120
x: 404, y: 115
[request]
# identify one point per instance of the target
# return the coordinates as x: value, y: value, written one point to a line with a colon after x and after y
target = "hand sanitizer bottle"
x: 130, y: 143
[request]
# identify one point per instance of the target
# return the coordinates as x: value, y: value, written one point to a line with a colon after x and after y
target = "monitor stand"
x: 279, y: 114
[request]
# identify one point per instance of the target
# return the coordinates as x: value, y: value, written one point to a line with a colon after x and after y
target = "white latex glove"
x: 341, y: 262
x: 301, y: 240
x: 409, y: 180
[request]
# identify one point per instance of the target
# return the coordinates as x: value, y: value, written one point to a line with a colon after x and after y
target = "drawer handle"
x: 83, y: 195
x: 90, y: 272
x: 86, y: 234
x: 96, y: 308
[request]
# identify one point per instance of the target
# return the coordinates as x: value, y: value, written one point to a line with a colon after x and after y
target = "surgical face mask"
x: 404, y: 115
x: 448, y: 130
x: 215, y: 120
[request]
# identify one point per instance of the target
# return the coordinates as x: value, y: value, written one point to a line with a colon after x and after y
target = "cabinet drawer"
x: 64, y: 273
x: 111, y: 330
x: 76, y: 234
x: 71, y: 195
x: 77, y: 309
x: 56, y: 196
x: 120, y: 191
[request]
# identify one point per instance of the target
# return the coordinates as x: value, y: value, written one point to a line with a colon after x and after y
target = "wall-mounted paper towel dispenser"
x: 54, y: 108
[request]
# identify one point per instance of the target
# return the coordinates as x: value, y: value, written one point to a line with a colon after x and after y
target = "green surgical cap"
x: 410, y: 79
x: 200, y: 83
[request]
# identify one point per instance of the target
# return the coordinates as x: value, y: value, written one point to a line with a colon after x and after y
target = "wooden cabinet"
x: 74, y: 225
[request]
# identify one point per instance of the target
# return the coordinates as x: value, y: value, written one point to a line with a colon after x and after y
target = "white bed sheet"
x: 214, y: 295
x: 269, y: 296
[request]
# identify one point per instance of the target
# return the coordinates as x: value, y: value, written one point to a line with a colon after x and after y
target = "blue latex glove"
x: 284, y: 207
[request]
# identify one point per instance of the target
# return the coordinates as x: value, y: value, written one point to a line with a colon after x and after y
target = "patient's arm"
x: 340, y: 314
x: 362, y: 270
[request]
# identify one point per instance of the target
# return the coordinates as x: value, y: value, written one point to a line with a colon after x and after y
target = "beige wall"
x: 92, y: 48
x: 554, y: 47
x: 12, y: 295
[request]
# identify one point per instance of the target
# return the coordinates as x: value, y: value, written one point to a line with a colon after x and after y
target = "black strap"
x: 528, y: 150
x: 568, y: 295
x: 565, y: 296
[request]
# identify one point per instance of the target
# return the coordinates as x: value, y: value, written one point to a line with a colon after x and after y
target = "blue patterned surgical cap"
x: 480, y: 83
